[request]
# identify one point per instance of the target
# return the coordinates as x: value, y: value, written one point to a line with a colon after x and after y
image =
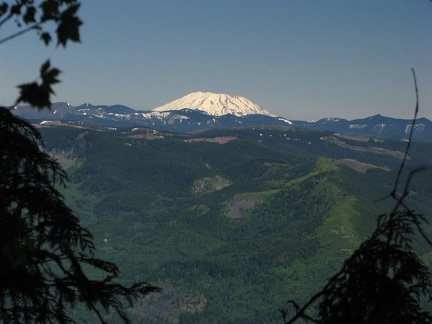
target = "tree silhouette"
x: 384, y: 280
x: 29, y: 15
x: 45, y: 255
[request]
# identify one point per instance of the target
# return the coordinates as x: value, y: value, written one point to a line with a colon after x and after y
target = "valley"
x: 233, y: 222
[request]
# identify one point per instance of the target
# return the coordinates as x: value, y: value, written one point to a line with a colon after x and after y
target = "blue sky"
x: 297, y: 59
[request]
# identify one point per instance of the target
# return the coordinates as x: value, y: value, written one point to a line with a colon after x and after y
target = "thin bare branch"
x: 393, y: 193
x: 21, y: 32
x: 5, y: 19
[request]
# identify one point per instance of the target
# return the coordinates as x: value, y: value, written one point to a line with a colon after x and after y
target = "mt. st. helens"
x: 215, y: 104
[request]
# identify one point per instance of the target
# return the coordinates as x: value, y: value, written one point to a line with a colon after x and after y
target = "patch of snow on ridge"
x: 330, y: 120
x: 357, y: 126
x: 160, y: 115
x: 417, y: 127
x: 285, y: 120
x: 215, y: 104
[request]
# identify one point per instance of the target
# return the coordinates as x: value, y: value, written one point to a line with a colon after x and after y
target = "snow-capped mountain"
x: 215, y: 104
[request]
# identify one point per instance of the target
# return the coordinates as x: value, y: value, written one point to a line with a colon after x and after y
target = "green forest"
x: 229, y: 223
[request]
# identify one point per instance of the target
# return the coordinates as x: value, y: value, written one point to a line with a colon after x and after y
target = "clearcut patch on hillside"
x: 240, y: 203
x: 217, y: 139
x: 208, y: 185
x: 169, y: 305
x: 360, y: 166
x: 65, y: 159
x: 338, y: 140
x: 236, y: 209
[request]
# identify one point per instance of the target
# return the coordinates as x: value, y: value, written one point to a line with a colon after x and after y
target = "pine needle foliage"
x: 43, y: 249
x: 384, y: 280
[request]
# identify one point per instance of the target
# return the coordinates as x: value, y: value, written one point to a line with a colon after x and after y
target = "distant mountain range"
x: 206, y: 110
x: 376, y: 126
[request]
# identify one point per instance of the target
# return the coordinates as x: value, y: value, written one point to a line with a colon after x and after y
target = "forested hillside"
x: 231, y: 223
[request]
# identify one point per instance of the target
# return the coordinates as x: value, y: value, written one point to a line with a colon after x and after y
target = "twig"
x: 393, y: 193
x: 8, y: 38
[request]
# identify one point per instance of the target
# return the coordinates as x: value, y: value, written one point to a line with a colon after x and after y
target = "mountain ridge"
x: 188, y: 120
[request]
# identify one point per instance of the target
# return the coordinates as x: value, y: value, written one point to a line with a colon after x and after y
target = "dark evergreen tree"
x: 43, y: 248
x: 384, y: 280
x: 45, y: 254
